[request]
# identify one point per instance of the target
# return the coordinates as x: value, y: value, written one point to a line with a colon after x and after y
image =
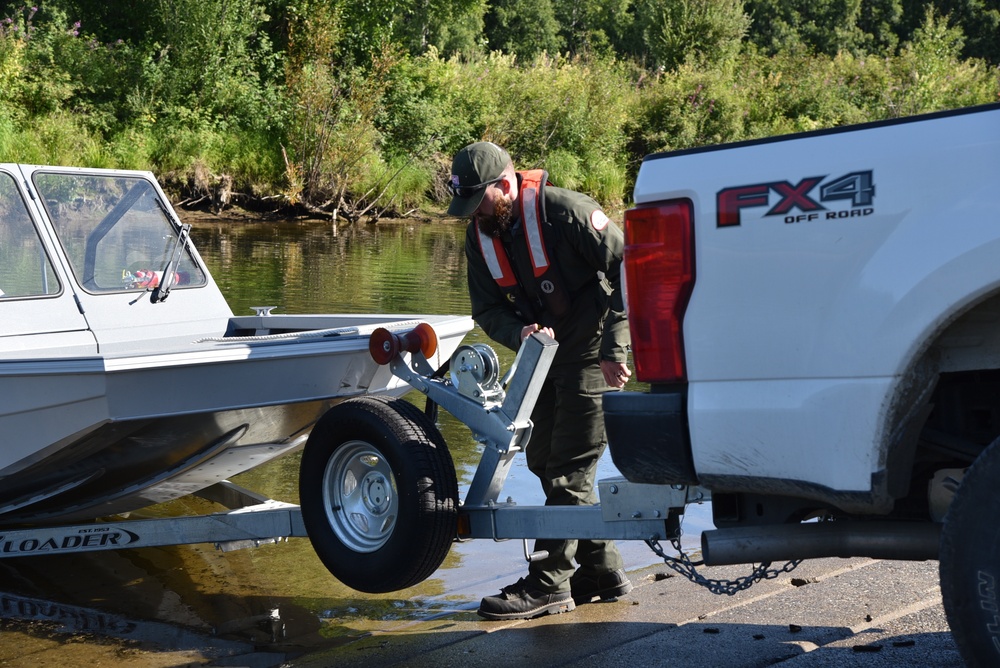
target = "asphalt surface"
x: 826, y: 613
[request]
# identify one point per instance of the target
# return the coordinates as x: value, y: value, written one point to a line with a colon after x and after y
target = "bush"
x: 553, y: 107
x: 397, y: 186
x: 691, y: 31
x: 929, y: 73
x: 54, y: 139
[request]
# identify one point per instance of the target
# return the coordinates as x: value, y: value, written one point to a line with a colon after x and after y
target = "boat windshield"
x: 25, y: 268
x: 116, y: 232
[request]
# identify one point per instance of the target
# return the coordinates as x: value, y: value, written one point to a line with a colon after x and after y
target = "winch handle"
x: 384, y: 345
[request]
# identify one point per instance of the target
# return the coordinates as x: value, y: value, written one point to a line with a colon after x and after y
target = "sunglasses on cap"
x: 468, y: 191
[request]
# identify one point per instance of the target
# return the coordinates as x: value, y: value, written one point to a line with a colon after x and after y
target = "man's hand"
x: 528, y: 330
x: 616, y: 374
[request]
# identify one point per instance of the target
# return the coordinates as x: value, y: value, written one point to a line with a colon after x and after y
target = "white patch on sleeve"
x: 598, y: 219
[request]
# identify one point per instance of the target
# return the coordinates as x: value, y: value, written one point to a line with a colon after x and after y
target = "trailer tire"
x: 970, y: 562
x: 379, y: 494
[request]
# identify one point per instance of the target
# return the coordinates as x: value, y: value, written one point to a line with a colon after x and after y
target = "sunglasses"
x: 468, y: 191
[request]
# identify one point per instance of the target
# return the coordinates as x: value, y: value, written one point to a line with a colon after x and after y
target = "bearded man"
x: 542, y: 258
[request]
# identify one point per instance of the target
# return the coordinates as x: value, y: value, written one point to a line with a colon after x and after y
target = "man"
x: 542, y: 258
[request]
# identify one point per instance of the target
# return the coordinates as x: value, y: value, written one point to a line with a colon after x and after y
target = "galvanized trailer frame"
x: 499, y: 419
x: 497, y: 411
x: 252, y: 521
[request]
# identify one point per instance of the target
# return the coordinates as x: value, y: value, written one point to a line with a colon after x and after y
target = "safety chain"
x: 687, y: 568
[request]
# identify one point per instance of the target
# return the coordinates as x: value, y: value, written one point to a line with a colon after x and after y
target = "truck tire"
x: 970, y: 562
x: 379, y: 494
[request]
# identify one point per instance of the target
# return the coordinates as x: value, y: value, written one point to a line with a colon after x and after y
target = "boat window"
x: 116, y: 231
x: 25, y: 269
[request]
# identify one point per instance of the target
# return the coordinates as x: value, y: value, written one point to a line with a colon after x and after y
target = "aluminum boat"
x: 125, y: 378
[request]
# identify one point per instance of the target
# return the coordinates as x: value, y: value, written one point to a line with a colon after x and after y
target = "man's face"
x: 495, y: 212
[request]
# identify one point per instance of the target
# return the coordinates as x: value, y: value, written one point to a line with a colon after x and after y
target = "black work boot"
x: 607, y: 586
x: 522, y: 601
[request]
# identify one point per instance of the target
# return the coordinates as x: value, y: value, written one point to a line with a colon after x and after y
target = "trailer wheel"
x: 970, y: 562
x: 379, y: 494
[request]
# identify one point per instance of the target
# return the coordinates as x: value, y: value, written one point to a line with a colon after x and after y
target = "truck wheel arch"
x: 967, y: 343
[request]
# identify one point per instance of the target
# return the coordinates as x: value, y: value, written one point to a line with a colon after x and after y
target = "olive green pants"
x: 566, y: 442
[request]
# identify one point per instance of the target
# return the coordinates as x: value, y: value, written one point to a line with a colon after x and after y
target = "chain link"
x: 683, y: 565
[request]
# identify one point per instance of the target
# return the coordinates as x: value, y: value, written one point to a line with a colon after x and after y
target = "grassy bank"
x: 358, y: 143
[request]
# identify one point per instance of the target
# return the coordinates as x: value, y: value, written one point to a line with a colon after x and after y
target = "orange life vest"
x: 549, y: 293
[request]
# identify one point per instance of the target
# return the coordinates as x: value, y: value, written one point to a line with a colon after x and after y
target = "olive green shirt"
x: 588, y: 257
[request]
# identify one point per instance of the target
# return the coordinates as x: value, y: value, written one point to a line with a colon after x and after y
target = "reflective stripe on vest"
x: 532, y: 217
x: 496, y: 260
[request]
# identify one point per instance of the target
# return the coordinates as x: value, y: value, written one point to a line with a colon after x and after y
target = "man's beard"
x: 500, y: 221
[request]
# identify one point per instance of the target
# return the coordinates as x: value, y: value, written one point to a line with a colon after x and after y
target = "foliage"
x: 566, y: 105
x: 353, y: 108
x: 979, y: 21
x: 30, y: 53
x: 929, y: 74
x: 417, y: 112
x: 397, y: 185
x: 527, y: 28
x: 823, y: 26
x: 705, y: 31
x: 595, y: 27
x: 213, y: 65
x: 448, y: 26
x: 52, y: 139
x: 13, y: 42
x: 333, y: 139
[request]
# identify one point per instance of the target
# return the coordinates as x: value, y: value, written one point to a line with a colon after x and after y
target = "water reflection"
x: 305, y: 268
x: 267, y: 604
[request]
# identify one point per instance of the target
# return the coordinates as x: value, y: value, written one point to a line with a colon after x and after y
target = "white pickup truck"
x: 818, y: 319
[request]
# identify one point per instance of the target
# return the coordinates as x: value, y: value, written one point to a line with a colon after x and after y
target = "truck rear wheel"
x: 970, y: 562
x: 379, y: 494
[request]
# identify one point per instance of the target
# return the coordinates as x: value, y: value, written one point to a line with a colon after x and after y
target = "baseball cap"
x: 474, y: 168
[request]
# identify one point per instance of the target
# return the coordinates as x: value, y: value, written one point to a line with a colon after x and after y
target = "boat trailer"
x: 356, y: 502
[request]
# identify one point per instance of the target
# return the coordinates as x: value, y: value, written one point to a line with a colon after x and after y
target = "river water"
x: 192, y: 605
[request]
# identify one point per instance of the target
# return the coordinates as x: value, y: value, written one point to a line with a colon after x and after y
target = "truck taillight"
x: 659, y: 275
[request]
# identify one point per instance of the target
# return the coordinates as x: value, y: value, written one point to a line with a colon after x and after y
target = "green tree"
x: 593, y: 26
x: 38, y: 84
x: 450, y: 26
x: 211, y: 63
x: 679, y: 31
x: 879, y: 24
x: 979, y: 21
x: 525, y: 28
x: 824, y: 26
x: 107, y: 22
x: 931, y: 74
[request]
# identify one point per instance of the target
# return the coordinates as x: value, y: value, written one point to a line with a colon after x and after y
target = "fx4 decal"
x: 858, y: 187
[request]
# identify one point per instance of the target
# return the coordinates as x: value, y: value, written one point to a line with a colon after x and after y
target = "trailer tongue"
x: 383, y: 544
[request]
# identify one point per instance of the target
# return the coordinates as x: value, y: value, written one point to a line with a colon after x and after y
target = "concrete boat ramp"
x: 825, y: 613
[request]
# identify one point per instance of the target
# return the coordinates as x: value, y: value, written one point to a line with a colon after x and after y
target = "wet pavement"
x: 832, y: 612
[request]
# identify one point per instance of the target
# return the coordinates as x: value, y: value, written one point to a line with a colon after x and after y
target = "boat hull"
x: 92, y: 437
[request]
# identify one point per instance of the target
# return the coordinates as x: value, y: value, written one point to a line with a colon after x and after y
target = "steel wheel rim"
x: 360, y: 496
